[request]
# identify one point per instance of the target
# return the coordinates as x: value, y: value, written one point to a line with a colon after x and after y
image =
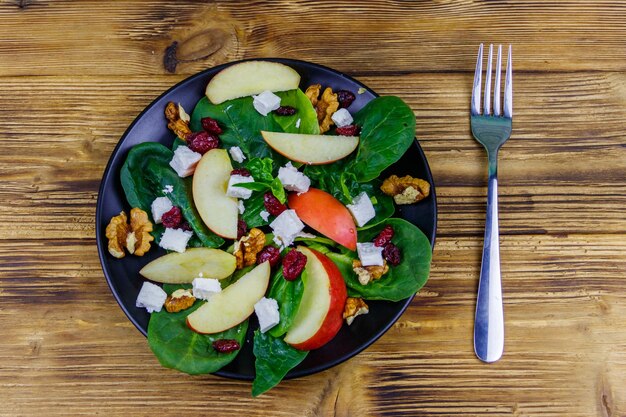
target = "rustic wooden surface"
x: 73, y: 76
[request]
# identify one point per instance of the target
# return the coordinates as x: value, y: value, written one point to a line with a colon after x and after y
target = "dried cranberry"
x: 226, y: 345
x: 202, y: 142
x: 293, y: 264
x: 350, y: 130
x: 345, y: 98
x: 211, y: 126
x: 185, y: 226
x: 384, y: 237
x: 285, y: 111
x: 392, y: 254
x: 240, y: 171
x: 172, y: 218
x: 272, y: 205
x: 268, y: 253
x: 242, y: 229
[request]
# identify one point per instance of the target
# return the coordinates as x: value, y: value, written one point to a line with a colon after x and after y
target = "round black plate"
x: 125, y: 281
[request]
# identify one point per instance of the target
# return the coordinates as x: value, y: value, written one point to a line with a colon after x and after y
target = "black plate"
x: 123, y: 277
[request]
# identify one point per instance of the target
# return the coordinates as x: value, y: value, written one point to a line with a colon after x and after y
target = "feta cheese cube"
x: 237, y: 154
x: 362, y: 209
x: 293, y: 180
x: 151, y: 297
x: 184, y: 161
x: 266, y: 310
x: 204, y: 288
x: 160, y: 206
x: 342, y: 117
x: 286, y: 227
x: 298, y: 123
x: 370, y: 254
x: 241, y: 207
x: 266, y: 102
x: 264, y: 215
x: 168, y: 189
x: 238, y: 192
x: 175, y: 239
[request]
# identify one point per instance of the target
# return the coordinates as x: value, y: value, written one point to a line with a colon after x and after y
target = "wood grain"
x: 74, y: 75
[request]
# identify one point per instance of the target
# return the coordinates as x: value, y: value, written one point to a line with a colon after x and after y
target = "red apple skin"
x: 326, y: 214
x: 334, y: 319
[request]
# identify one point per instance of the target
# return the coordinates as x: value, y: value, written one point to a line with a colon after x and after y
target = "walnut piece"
x: 135, y: 237
x: 369, y: 273
x: 354, y: 307
x: 180, y: 300
x: 324, y: 106
x: 248, y: 247
x: 405, y: 190
x: 177, y: 122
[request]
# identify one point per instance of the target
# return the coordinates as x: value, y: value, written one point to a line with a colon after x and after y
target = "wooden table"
x: 73, y: 76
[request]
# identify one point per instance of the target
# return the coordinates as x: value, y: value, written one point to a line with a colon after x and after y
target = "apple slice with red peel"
x: 233, y: 305
x: 311, y: 149
x: 218, y: 211
x: 320, y: 314
x: 326, y: 214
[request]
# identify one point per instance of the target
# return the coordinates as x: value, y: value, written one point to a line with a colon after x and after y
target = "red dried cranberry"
x: 211, y: 126
x: 392, y: 254
x: 242, y: 229
x: 293, y: 264
x: 345, y: 98
x: 272, y: 204
x: 185, y: 226
x: 202, y: 142
x: 268, y: 253
x: 285, y: 111
x: 172, y: 218
x: 350, y: 130
x: 384, y: 237
x: 226, y: 345
x: 240, y: 171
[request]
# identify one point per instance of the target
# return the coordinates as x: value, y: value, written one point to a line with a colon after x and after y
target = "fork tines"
x: 508, y: 85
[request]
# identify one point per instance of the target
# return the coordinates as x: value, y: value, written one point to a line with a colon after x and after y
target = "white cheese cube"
x: 286, y: 227
x: 241, y: 207
x: 342, y: 117
x: 264, y: 215
x: 266, y: 310
x: 204, y: 288
x: 175, y: 239
x: 160, y: 206
x: 237, y: 154
x: 370, y: 254
x: 362, y: 209
x: 238, y: 192
x: 293, y: 180
x: 151, y: 297
x: 184, y: 161
x: 266, y: 102
x: 168, y: 189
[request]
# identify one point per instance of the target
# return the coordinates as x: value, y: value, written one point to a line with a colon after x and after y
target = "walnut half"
x: 405, y: 190
x: 248, y: 247
x: 178, y: 120
x: 325, y: 106
x: 369, y: 273
x: 354, y: 307
x: 135, y: 237
x: 180, y: 300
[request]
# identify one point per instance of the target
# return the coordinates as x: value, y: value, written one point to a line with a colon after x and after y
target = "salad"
x: 272, y: 210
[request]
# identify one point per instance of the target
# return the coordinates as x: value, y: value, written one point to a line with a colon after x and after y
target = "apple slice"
x: 320, y: 314
x: 233, y: 305
x: 251, y: 77
x: 326, y: 214
x: 218, y: 211
x: 182, y: 268
x: 311, y: 149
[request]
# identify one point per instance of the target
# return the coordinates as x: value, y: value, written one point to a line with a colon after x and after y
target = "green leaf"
x: 254, y: 186
x: 387, y: 131
x: 305, y: 112
x: 403, y: 280
x: 277, y: 189
x: 335, y: 179
x: 288, y: 295
x: 274, y: 358
x: 261, y: 169
x: 252, y: 215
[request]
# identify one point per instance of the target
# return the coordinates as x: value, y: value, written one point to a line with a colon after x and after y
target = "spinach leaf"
x: 305, y: 112
x: 177, y: 346
x: 274, y: 358
x: 252, y: 215
x: 288, y: 295
x: 387, y: 131
x: 261, y: 169
x: 335, y: 179
x: 402, y: 281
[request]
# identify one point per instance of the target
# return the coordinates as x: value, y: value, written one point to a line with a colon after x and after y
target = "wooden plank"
x: 83, y: 37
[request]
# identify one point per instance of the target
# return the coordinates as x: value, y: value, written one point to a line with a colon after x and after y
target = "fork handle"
x: 489, y: 322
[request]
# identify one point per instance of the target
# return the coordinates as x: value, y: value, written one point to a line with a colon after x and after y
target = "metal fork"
x: 491, y: 130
